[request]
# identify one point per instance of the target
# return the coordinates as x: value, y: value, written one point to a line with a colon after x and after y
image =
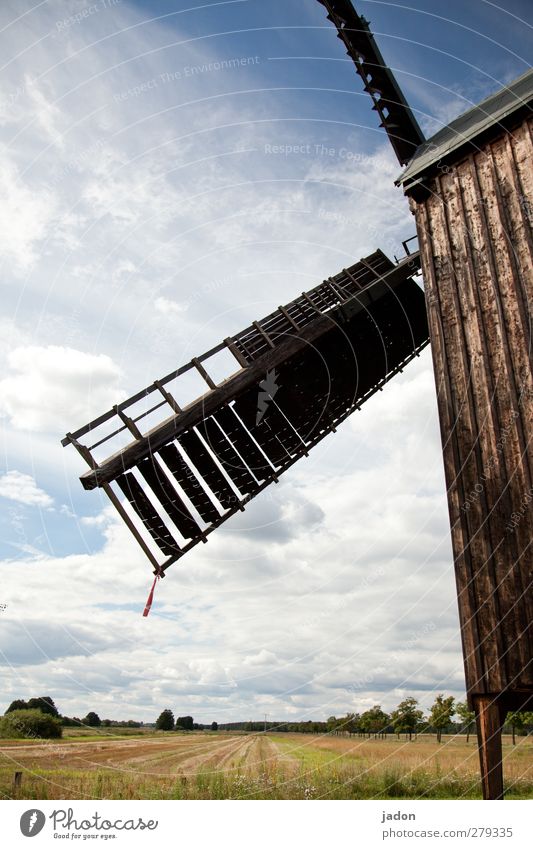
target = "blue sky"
x: 146, y: 217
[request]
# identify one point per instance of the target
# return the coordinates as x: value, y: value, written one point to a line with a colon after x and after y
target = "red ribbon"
x: 150, y: 598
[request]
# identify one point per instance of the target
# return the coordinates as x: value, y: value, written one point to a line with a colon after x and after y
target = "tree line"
x: 39, y: 717
x: 407, y: 718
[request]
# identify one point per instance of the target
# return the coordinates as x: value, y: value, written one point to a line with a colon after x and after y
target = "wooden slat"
x: 119, y: 507
x: 268, y: 427
x: 163, y: 490
x: 243, y: 442
x: 204, y: 462
x: 230, y: 461
x: 148, y: 514
x: 491, y: 388
x: 479, y: 545
x: 466, y: 593
x: 190, y: 484
x: 289, y: 318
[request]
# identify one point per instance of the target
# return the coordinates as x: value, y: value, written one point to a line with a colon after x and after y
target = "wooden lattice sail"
x: 301, y: 371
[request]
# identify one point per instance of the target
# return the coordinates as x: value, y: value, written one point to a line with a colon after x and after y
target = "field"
x: 253, y: 766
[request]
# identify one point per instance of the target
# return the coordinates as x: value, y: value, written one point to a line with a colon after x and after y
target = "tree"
x: 467, y: 717
x: 214, y: 726
x: 185, y: 723
x: 30, y: 724
x: 44, y: 704
x: 441, y: 714
x: 528, y: 720
x: 351, y: 723
x: 517, y: 720
x: 92, y: 719
x: 18, y: 704
x: 165, y: 721
x: 333, y: 724
x: 407, y: 717
x: 374, y: 721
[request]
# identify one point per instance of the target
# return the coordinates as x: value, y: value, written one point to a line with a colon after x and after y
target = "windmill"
x: 178, y: 472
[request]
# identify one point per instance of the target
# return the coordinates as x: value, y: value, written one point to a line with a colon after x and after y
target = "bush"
x: 30, y: 724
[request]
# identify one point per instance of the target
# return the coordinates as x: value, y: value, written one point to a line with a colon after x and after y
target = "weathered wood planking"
x: 476, y: 243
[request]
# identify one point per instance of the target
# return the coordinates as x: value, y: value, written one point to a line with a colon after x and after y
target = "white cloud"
x: 17, y: 486
x: 25, y: 217
x: 45, y: 112
x: 55, y: 388
x: 166, y: 306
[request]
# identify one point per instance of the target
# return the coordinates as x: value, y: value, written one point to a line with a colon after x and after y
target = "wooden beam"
x: 337, y: 289
x: 130, y: 424
x: 489, y: 733
x: 83, y: 450
x: 264, y: 334
x: 167, y: 396
x: 352, y: 279
x: 201, y: 370
x: 370, y: 268
x: 284, y: 312
x: 241, y: 359
x: 311, y: 304
x: 116, y: 502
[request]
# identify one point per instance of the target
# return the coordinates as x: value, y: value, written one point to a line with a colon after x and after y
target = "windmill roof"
x: 464, y: 130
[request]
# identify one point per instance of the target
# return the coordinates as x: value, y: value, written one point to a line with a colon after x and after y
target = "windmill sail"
x: 301, y: 371
x: 388, y: 100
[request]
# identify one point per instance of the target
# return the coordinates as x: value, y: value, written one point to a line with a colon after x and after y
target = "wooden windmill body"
x: 311, y: 363
x: 471, y: 191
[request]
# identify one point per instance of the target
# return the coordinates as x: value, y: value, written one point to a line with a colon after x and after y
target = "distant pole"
x: 266, y: 714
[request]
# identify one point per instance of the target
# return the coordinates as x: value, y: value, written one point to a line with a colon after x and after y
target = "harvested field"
x: 250, y: 766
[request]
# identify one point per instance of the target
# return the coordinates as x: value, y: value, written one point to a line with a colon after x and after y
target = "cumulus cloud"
x: 53, y: 388
x: 35, y: 642
x: 17, y: 486
x: 278, y: 515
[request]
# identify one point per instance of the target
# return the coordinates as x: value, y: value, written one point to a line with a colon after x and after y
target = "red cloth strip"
x: 150, y: 598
